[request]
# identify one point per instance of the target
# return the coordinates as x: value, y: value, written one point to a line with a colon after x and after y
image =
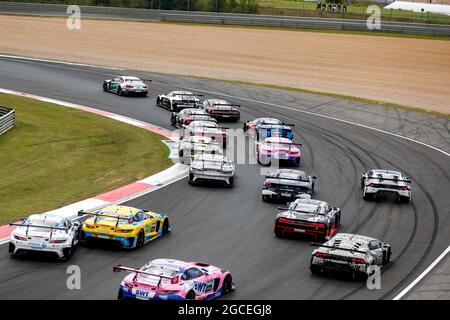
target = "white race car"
x: 379, y: 183
x: 212, y: 168
x: 126, y: 85
x: 177, y: 100
x: 351, y: 254
x: 192, y: 146
x: 45, y: 233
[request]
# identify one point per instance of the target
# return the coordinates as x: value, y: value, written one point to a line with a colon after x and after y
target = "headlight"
x: 88, y: 226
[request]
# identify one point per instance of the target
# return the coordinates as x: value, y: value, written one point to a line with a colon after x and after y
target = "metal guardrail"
x: 224, y: 18
x: 7, y: 119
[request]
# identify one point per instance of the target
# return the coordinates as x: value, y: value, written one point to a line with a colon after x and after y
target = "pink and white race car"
x: 168, y: 279
x: 279, y: 148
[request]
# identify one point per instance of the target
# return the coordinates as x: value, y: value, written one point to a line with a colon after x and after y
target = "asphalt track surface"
x: 232, y: 228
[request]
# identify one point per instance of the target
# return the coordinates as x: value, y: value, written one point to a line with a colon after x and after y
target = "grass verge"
x: 55, y: 156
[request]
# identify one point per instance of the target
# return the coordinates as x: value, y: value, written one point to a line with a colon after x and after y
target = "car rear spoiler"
x: 388, y: 179
x: 287, y: 209
x: 286, y: 143
x: 38, y: 226
x: 281, y: 178
x: 316, y: 244
x: 268, y: 125
x: 227, y: 105
x: 120, y: 268
x: 96, y: 215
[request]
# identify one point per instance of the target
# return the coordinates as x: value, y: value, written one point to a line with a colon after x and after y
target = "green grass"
x: 56, y: 155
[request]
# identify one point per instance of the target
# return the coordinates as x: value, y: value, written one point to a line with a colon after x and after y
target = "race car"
x: 169, y: 279
x: 211, y: 168
x: 125, y: 226
x: 274, y: 130
x: 177, y: 100
x: 286, y: 184
x: 46, y: 234
x: 222, y: 110
x: 191, y: 146
x: 378, y: 183
x: 308, y: 217
x: 186, y: 116
x: 126, y: 85
x: 253, y: 124
x: 282, y: 149
x: 350, y: 254
x: 205, y: 128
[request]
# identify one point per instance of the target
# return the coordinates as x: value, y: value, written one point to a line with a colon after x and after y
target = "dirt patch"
x: 412, y: 72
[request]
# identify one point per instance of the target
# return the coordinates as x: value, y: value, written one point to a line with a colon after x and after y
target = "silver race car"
x: 126, y: 85
x: 350, y: 254
x: 379, y: 183
x: 211, y: 168
x: 47, y: 234
x: 205, y: 129
x: 308, y: 217
x: 192, y: 146
x: 177, y: 100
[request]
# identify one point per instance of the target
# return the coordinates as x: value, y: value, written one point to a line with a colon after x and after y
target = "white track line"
x: 423, y: 274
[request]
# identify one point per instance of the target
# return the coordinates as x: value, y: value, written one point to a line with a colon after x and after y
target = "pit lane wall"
x: 223, y: 18
x: 7, y: 119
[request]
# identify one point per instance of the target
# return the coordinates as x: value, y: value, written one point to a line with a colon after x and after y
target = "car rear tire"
x: 278, y: 233
x: 368, y: 197
x: 165, y: 227
x: 120, y: 295
x: 231, y: 183
x: 190, y: 295
x: 105, y: 87
x: 265, y: 198
x: 68, y: 252
x: 227, y: 285
x: 191, y: 179
x: 11, y: 249
x: 140, y: 239
x: 403, y: 199
x: 315, y: 270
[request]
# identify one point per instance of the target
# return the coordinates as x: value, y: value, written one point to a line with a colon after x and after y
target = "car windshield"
x: 306, y: 207
x: 46, y: 221
x: 115, y: 214
x: 159, y: 269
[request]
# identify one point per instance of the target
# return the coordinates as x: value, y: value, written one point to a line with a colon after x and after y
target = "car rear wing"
x: 28, y: 225
x: 295, y: 210
x: 120, y: 268
x: 272, y: 125
x: 407, y: 180
x: 227, y: 105
x: 316, y: 244
x: 290, y: 144
x: 293, y: 179
x: 97, y: 215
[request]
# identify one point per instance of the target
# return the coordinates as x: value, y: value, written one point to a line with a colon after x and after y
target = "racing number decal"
x: 199, y: 287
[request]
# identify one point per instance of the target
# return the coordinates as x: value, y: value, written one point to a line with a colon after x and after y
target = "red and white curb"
x: 122, y: 194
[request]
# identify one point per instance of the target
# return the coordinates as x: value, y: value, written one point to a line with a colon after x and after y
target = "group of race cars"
x: 201, y: 145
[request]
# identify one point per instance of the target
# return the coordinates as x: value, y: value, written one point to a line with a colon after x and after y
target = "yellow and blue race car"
x: 126, y: 226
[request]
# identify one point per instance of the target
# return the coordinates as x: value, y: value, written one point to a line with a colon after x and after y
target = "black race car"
x: 286, y: 184
x: 186, y: 116
x: 222, y: 110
